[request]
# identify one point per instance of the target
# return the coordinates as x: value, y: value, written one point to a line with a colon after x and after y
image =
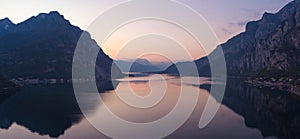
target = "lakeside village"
x: 22, y: 81
x: 12, y: 86
x: 288, y: 84
x: 281, y: 83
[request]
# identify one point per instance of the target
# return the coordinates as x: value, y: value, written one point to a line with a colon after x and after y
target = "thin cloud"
x: 226, y: 31
x: 241, y: 23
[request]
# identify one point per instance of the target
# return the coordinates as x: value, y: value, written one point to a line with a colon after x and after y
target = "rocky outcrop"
x: 279, y: 52
x: 268, y: 47
x: 43, y: 47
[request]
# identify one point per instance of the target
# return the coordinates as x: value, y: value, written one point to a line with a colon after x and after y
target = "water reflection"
x: 4, y: 97
x: 247, y: 112
x: 273, y: 112
x: 226, y: 123
x: 44, y: 109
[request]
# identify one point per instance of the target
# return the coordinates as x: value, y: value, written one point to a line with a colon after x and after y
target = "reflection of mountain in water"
x: 3, y: 97
x: 44, y: 109
x: 7, y: 89
x: 274, y: 113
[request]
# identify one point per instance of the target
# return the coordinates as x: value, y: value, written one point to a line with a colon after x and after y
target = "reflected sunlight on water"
x: 226, y: 123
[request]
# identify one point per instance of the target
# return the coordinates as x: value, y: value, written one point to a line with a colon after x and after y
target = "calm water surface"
x: 51, y: 111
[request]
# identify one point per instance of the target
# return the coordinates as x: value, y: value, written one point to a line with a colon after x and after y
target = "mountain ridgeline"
x: 268, y: 47
x: 43, y: 47
x: 140, y: 65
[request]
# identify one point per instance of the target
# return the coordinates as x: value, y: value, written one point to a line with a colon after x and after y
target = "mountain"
x: 6, y: 26
x: 43, y: 47
x: 268, y: 47
x: 138, y: 65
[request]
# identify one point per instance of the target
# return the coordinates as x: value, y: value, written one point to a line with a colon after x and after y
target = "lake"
x: 51, y: 111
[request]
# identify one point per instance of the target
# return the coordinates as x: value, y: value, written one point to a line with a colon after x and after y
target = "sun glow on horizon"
x: 152, y: 38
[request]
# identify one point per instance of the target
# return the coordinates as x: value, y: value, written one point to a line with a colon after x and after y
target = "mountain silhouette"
x: 43, y: 47
x: 268, y: 47
x: 138, y: 65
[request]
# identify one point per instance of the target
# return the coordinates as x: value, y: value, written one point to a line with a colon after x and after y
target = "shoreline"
x: 288, y: 84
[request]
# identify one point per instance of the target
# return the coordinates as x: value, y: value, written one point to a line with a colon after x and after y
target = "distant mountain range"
x: 140, y: 65
x: 268, y: 47
x: 43, y: 47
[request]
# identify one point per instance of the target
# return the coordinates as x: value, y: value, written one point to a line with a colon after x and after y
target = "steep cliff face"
x: 269, y: 45
x: 279, y: 52
x: 43, y: 47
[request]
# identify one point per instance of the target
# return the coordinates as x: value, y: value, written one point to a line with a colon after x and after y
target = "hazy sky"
x: 227, y: 17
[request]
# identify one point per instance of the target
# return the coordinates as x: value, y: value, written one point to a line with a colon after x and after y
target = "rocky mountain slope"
x: 268, y: 47
x: 43, y: 47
